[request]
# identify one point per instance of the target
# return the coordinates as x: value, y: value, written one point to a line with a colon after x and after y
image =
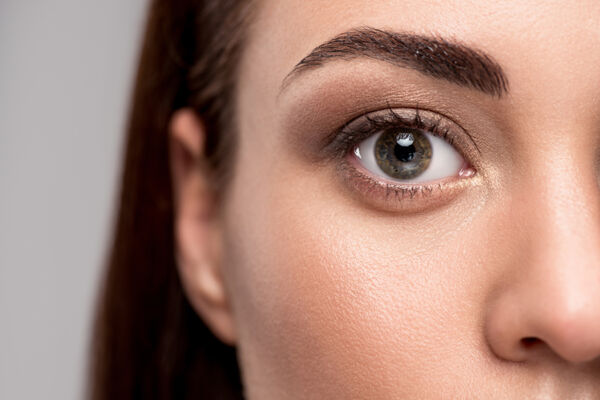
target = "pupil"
x: 404, y: 153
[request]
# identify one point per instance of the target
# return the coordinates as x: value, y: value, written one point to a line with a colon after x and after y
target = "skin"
x: 487, y: 289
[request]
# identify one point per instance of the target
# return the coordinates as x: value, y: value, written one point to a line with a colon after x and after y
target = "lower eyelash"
x: 399, y: 191
x: 399, y: 197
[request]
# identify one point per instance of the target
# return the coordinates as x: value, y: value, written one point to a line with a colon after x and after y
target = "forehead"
x: 533, y: 40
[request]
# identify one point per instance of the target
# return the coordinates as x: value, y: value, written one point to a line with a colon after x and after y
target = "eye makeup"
x: 392, y: 194
x: 325, y: 118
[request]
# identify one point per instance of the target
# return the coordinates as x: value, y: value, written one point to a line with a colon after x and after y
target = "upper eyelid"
x: 391, y: 118
x: 360, y: 128
x: 434, y: 121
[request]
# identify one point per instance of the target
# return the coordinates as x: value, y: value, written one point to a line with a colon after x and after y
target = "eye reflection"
x: 409, y: 156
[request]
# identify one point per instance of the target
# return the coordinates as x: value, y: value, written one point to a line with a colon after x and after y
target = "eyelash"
x: 353, y: 133
x: 348, y: 137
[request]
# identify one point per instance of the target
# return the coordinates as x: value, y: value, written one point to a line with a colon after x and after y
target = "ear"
x: 197, y: 227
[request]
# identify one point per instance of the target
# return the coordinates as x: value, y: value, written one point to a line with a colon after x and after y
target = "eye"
x: 406, y: 159
x: 409, y: 155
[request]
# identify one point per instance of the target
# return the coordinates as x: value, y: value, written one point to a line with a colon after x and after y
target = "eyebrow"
x: 435, y: 57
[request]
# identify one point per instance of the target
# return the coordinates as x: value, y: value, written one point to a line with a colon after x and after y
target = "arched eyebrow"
x: 435, y: 57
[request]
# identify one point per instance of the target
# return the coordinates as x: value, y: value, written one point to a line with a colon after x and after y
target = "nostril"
x: 530, y: 342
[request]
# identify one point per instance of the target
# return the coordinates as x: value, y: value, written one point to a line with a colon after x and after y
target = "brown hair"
x: 148, y: 342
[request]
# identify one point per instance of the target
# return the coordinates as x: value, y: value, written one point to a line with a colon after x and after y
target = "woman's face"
x: 415, y: 210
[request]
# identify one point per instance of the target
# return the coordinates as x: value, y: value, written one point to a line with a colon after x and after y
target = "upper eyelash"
x: 348, y: 137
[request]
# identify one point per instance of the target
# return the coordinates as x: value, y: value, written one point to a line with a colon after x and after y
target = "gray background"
x: 66, y: 68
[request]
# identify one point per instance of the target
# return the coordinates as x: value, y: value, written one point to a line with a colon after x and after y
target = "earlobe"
x: 197, y: 225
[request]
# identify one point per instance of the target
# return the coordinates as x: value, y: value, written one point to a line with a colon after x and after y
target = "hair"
x: 148, y: 341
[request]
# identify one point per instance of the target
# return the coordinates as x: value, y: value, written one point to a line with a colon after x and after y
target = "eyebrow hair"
x: 435, y: 57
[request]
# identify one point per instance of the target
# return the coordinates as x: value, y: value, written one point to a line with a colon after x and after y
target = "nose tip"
x: 573, y: 334
x: 521, y: 327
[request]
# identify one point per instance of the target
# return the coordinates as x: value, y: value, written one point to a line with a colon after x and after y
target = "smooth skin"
x: 330, y: 291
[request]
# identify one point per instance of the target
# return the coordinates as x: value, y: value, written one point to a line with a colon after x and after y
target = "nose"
x: 547, y: 305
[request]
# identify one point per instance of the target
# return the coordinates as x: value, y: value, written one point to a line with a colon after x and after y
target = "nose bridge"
x: 566, y: 216
x: 562, y: 199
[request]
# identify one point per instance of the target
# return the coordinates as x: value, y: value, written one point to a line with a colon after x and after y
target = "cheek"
x: 333, y: 299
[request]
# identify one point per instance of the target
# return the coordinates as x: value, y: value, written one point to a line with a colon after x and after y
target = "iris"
x: 403, y: 154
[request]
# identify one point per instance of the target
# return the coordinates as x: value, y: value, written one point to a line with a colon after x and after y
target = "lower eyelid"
x: 397, y: 197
